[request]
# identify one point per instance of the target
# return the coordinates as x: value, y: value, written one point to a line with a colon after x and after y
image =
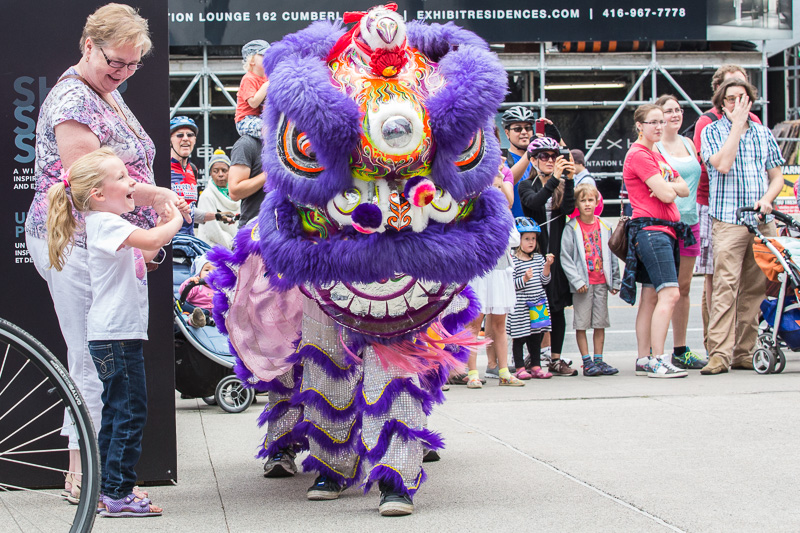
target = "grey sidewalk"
x: 620, y: 453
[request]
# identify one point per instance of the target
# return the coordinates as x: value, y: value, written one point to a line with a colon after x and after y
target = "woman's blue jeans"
x: 120, y: 367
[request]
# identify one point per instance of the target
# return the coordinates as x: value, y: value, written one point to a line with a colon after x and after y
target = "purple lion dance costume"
x: 347, y: 298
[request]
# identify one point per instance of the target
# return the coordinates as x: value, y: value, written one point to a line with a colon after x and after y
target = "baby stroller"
x: 779, y: 259
x: 203, y: 362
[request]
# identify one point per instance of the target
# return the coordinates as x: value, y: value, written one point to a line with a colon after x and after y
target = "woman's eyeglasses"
x: 655, y: 122
x: 546, y: 157
x: 518, y: 129
x: 120, y: 64
x: 189, y: 135
x: 677, y: 111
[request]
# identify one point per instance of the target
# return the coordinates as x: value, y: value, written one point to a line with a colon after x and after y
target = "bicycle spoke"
x: 24, y: 398
x: 32, y: 440
x: 31, y: 421
x: 15, y: 377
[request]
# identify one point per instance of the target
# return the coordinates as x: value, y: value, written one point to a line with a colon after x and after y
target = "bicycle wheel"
x: 35, y: 391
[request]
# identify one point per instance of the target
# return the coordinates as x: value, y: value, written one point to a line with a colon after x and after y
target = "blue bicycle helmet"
x: 182, y: 122
x: 527, y: 225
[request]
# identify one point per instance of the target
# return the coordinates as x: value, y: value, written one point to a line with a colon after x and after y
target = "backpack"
x: 689, y: 131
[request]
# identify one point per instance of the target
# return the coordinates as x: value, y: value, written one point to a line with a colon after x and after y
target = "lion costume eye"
x: 472, y: 156
x: 296, y: 152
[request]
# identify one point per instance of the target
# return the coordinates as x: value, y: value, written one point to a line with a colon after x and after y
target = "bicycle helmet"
x: 543, y: 144
x: 517, y: 114
x: 182, y: 122
x: 527, y: 225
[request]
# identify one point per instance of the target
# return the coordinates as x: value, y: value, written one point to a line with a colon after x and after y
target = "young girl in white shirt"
x: 101, y: 192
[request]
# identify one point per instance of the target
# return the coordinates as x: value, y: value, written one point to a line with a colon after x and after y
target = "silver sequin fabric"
x: 290, y: 418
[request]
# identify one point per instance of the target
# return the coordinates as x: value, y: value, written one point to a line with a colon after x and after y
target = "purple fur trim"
x: 301, y: 91
x: 332, y: 370
x: 307, y: 427
x: 455, y: 322
x: 392, y: 480
x: 436, y: 40
x: 271, y: 413
x: 314, y: 41
x: 294, y: 440
x: 390, y: 393
x: 312, y: 464
x: 449, y: 253
x: 315, y: 399
x: 395, y: 428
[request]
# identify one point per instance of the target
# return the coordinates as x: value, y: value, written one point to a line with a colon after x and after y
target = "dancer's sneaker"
x: 280, y: 465
x: 395, y: 504
x: 324, y: 488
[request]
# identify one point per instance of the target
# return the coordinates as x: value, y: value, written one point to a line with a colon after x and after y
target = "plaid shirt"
x: 747, y: 180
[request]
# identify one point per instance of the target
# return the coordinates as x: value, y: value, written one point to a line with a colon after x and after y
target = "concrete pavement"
x: 619, y: 453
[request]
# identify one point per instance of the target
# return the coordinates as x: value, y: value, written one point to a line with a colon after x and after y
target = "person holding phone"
x: 744, y: 169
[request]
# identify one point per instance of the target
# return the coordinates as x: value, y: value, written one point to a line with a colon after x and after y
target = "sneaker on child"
x: 658, y: 368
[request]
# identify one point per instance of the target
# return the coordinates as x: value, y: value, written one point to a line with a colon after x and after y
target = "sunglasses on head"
x: 187, y: 135
x: 518, y: 129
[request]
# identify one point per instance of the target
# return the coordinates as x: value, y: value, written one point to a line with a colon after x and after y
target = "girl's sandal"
x: 68, y: 480
x: 75, y: 493
x: 540, y: 373
x: 130, y: 506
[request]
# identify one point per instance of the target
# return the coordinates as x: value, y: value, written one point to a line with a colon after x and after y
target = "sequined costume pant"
x: 282, y: 417
x: 363, y: 422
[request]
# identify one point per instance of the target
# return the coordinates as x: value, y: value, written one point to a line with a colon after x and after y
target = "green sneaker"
x: 688, y: 361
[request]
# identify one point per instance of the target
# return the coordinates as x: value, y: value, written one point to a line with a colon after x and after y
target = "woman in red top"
x: 652, y: 188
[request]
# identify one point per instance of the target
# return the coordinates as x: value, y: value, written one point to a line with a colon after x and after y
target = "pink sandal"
x: 538, y: 373
x: 522, y: 374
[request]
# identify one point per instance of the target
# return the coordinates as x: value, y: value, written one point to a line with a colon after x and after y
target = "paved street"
x: 620, y: 453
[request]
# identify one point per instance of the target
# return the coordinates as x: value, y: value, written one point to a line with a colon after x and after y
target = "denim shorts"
x: 658, y: 259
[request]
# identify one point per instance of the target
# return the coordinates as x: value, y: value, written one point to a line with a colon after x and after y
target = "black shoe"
x: 430, y: 456
x: 324, y: 488
x: 281, y: 464
x: 395, y: 504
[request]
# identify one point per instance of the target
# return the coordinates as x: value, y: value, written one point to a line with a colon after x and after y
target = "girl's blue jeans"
x: 120, y: 367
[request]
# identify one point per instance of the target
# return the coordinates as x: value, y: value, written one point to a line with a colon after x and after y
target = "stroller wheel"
x: 232, y: 396
x: 763, y: 361
x: 780, y: 360
x: 210, y: 400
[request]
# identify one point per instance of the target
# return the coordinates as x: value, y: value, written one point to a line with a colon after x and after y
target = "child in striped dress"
x: 531, y: 315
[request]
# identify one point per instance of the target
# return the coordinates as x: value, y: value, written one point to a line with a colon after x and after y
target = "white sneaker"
x: 659, y: 368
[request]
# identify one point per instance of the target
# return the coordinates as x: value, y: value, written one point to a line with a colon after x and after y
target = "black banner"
x: 30, y: 69
x: 234, y: 22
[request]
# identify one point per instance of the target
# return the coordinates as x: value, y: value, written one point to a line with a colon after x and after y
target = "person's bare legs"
x: 598, y: 340
x: 644, y: 319
x: 74, y: 470
x: 475, y: 328
x: 496, y: 325
x: 583, y: 344
x: 491, y: 350
x: 662, y: 315
x: 680, y: 316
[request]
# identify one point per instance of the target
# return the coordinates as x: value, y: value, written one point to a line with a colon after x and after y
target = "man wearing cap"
x: 216, y: 199
x: 252, y: 89
x: 182, y: 138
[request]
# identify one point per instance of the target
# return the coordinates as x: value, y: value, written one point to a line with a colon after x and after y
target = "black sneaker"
x: 688, y: 361
x: 324, y: 488
x: 395, y: 504
x: 430, y: 456
x: 280, y: 465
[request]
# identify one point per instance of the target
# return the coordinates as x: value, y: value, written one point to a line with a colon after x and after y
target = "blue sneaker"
x: 590, y: 369
x: 688, y: 361
x: 607, y: 369
x: 324, y: 488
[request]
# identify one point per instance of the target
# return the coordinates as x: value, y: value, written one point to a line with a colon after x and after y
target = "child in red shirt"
x: 252, y: 89
x: 593, y: 272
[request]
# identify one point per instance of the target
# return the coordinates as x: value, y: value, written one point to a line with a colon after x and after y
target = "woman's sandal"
x: 68, y: 480
x: 74, y: 496
x: 130, y: 506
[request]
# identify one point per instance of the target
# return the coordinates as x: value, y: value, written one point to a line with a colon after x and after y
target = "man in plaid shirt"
x: 744, y: 169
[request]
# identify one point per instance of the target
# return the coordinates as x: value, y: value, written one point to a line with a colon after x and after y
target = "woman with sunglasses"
x: 548, y: 197
x: 82, y: 112
x: 681, y: 155
x: 653, y: 258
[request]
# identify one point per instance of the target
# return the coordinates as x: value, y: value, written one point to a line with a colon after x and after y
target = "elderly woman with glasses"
x: 653, y: 256
x: 548, y: 197
x: 84, y: 111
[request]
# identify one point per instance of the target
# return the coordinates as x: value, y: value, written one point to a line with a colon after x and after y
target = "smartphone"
x: 540, y: 124
x: 565, y: 152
